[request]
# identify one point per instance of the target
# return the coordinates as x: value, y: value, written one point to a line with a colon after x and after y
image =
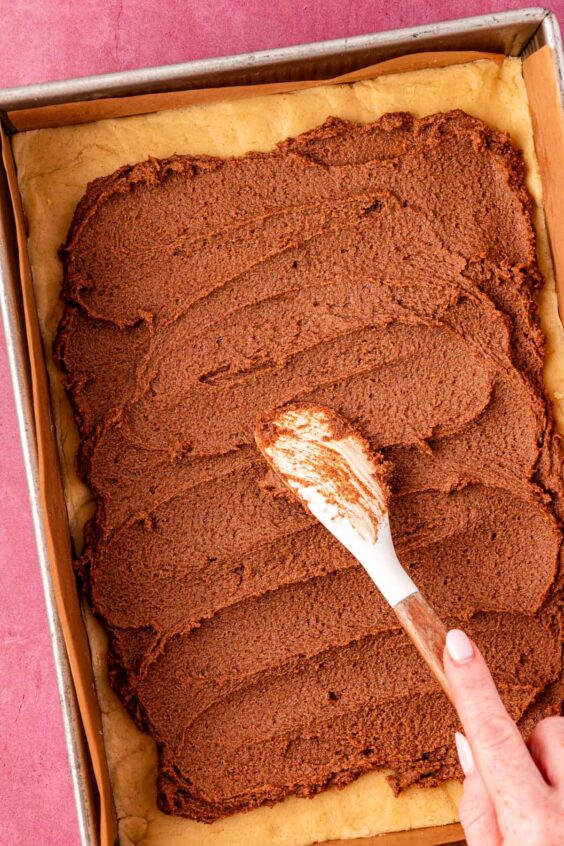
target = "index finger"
x: 502, y: 758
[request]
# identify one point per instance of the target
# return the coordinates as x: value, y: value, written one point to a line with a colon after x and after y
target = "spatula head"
x: 328, y: 465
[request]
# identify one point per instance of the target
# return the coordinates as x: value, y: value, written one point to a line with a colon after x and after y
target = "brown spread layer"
x: 388, y: 272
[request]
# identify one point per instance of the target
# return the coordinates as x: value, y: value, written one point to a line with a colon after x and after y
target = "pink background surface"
x: 51, y: 39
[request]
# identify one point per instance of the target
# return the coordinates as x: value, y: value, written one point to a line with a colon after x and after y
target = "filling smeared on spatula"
x: 328, y: 465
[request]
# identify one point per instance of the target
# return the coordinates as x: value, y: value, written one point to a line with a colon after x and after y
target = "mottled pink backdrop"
x: 52, y: 39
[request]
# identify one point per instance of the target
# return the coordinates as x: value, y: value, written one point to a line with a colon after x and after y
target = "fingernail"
x: 459, y: 646
x: 464, y: 753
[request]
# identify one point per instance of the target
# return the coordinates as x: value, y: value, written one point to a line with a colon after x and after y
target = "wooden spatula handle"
x: 427, y: 633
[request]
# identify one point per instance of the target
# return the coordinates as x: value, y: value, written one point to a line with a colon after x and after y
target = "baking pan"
x: 515, y: 33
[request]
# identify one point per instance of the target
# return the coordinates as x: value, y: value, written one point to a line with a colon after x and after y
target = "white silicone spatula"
x: 326, y: 463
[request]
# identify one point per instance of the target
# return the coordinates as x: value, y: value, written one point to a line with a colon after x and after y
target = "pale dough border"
x: 54, y: 167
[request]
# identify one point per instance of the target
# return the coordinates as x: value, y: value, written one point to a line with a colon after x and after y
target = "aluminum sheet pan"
x: 515, y: 33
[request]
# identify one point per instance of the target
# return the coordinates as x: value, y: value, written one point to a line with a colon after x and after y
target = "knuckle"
x: 549, y: 727
x: 494, y: 732
x: 548, y: 737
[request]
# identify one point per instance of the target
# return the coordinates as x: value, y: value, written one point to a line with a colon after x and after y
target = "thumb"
x: 477, y: 813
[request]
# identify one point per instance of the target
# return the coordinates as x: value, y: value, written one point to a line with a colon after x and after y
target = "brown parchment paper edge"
x: 547, y: 115
x: 86, y: 111
x: 57, y: 528
x: 547, y: 118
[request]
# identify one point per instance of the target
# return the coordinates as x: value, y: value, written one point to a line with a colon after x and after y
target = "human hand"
x: 513, y: 795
